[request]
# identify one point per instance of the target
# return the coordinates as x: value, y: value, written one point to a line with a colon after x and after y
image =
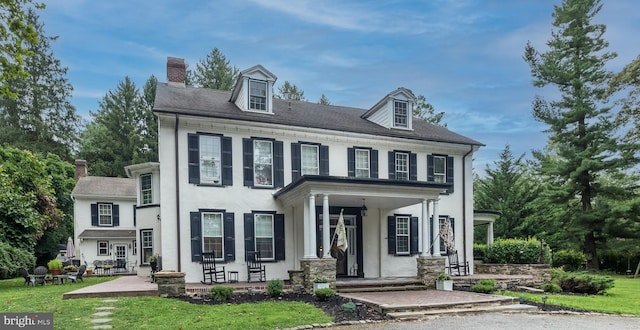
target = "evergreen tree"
x: 582, y: 145
x: 324, y: 100
x: 426, y: 111
x: 629, y: 80
x: 213, y: 72
x: 148, y: 122
x: 42, y: 118
x: 290, y: 91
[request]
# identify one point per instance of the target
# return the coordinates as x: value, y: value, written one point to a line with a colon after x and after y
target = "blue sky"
x: 464, y: 56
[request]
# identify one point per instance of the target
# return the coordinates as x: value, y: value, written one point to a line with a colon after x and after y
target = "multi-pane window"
x: 402, y: 235
x: 309, y: 156
x: 135, y: 247
x: 146, y: 193
x: 105, y: 215
x: 263, y: 226
x: 147, y: 244
x: 400, y: 114
x: 103, y: 248
x: 362, y: 163
x: 212, y: 234
x: 402, y: 166
x: 439, y: 169
x: 257, y: 95
x: 210, y: 159
x: 262, y: 163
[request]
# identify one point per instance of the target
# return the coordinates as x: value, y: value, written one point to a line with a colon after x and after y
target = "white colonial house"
x: 243, y: 171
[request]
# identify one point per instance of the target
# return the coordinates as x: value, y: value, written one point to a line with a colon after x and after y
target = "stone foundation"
x: 314, y: 268
x: 429, y: 268
x: 170, y: 284
x: 296, y: 279
x: 541, y: 273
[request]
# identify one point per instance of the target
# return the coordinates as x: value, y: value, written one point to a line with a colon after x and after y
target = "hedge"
x: 12, y: 259
x: 518, y: 251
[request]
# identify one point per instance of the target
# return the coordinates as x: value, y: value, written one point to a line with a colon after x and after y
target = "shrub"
x: 485, y: 286
x: 324, y: 294
x: 517, y: 251
x: 585, y: 283
x: 12, y: 259
x: 618, y: 261
x: 551, y: 287
x: 349, y: 306
x: 221, y: 293
x: 479, y: 251
x: 556, y: 274
x: 275, y: 287
x: 54, y: 264
x: 569, y: 260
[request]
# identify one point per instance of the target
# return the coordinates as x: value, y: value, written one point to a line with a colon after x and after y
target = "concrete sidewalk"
x: 124, y: 286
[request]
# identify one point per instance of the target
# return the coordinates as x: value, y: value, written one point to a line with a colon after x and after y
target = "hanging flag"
x: 341, y: 233
x: 446, y: 234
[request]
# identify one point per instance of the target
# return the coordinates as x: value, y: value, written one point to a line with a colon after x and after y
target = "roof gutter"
x: 177, y: 192
x: 464, y: 204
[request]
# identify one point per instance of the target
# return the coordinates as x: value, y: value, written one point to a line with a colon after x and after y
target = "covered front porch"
x: 378, y: 244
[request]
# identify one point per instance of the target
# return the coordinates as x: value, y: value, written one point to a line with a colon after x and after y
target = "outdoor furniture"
x: 59, y: 279
x: 39, y: 275
x: 28, y: 279
x: 456, y: 265
x: 77, y: 276
x: 120, y: 265
x: 214, y: 272
x: 255, y: 266
x: 233, y: 276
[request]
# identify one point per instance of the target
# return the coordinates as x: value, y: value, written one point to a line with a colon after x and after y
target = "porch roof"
x: 107, y: 233
x: 350, y: 191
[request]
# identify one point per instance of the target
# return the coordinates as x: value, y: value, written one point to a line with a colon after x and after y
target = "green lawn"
x: 623, y: 298
x: 151, y: 312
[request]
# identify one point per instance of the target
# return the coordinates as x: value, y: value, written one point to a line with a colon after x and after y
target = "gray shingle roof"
x: 107, y: 233
x: 212, y: 103
x: 105, y: 186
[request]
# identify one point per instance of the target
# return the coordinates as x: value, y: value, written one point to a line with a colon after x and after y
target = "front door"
x: 347, y: 262
x: 121, y: 251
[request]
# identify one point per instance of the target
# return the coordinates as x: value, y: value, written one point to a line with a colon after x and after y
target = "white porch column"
x: 425, y: 228
x: 306, y: 228
x: 312, y: 225
x: 436, y: 229
x: 326, y: 225
x: 490, y: 233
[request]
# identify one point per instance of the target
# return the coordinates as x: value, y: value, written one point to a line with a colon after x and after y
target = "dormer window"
x: 257, y: 95
x: 400, y: 114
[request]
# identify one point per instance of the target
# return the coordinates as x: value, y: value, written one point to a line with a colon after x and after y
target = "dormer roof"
x: 400, y: 91
x: 257, y: 72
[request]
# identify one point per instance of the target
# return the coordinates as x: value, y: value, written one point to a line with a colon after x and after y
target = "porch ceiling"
x: 349, y: 192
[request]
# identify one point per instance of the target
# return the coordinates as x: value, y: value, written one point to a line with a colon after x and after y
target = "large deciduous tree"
x: 42, y: 118
x: 582, y: 136
x: 214, y: 71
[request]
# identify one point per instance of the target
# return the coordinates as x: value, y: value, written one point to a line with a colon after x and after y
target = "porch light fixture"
x: 363, y: 210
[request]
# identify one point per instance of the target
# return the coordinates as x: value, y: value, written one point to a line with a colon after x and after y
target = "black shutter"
x: 196, y: 237
x: 374, y: 163
x: 318, y: 235
x: 94, y: 215
x: 450, y: 173
x: 351, y: 162
x: 359, y: 244
x: 391, y: 234
x: 247, y: 161
x: 278, y: 164
x: 227, y: 161
x: 278, y: 231
x: 392, y: 167
x: 413, y: 167
x: 193, y: 144
x: 430, y: 176
x: 324, y: 160
x: 229, y: 237
x: 134, y: 215
x: 414, y: 242
x: 295, y: 161
x: 115, y: 214
x: 249, y: 240
x: 431, y: 233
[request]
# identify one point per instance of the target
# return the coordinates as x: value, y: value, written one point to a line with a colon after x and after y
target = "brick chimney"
x: 176, y: 71
x: 81, y: 169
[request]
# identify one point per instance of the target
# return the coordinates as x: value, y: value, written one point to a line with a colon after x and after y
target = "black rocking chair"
x: 255, y: 267
x: 211, y: 271
x: 455, y: 265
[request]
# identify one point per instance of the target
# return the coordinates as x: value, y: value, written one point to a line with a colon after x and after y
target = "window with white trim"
x: 146, y: 192
x: 362, y: 163
x: 146, y: 236
x: 105, y: 215
x: 402, y: 235
x: 263, y: 226
x: 212, y: 234
x: 257, y: 95
x: 400, y: 114
x: 439, y: 169
x: 262, y: 163
x: 402, y: 166
x: 135, y: 247
x: 310, y: 161
x: 210, y: 159
x: 103, y: 248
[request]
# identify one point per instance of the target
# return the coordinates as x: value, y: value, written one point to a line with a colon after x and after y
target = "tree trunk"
x: 590, y: 251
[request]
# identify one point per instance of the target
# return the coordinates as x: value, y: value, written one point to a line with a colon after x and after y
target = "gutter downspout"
x: 177, y: 193
x: 464, y: 204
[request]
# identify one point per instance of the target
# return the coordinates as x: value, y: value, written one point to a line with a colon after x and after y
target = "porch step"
x: 381, y: 288
x: 420, y: 314
x: 379, y: 285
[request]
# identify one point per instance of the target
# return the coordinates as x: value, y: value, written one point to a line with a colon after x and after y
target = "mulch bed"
x: 332, y: 307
